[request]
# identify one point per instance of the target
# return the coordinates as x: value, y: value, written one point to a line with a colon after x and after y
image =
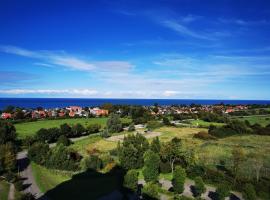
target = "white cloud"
x: 169, y: 93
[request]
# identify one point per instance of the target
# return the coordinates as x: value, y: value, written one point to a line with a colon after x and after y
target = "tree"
x: 179, y: 176
x: 7, y: 157
x: 132, y: 150
x: 151, y: 125
x: 77, y: 130
x: 39, y: 153
x: 93, y: 162
x: 93, y: 128
x: 166, y: 121
x: 249, y: 192
x: 223, y: 190
x: 114, y: 124
x: 7, y: 132
x: 42, y: 135
x: 131, y: 180
x: 151, y: 166
x: 172, y: 151
x: 65, y: 129
x: 63, y: 140
x: 155, y: 145
x: 199, y: 186
x: 150, y: 191
x: 256, y: 159
x: 131, y: 127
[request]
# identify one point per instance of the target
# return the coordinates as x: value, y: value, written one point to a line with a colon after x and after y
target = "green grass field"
x: 202, y: 123
x: 47, y: 179
x: 4, y: 189
x: 30, y: 128
x: 264, y: 120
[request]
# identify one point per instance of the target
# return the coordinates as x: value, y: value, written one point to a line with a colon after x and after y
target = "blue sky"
x: 188, y: 49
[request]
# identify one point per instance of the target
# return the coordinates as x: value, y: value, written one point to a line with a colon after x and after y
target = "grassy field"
x: 4, y: 189
x: 263, y: 119
x: 47, y: 179
x: 30, y: 128
x: 199, y: 122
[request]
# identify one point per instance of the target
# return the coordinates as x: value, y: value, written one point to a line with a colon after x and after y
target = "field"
x: 264, y: 120
x: 202, y: 123
x: 4, y: 189
x: 30, y: 128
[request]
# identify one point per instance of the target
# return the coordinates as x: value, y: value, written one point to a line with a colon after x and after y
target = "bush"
x: 249, y: 192
x: 165, y: 167
x: 38, y: 153
x: 10, y: 177
x: 223, y: 190
x: 93, y: 128
x: 131, y: 127
x: 178, y: 197
x: 204, y: 135
x: 114, y: 124
x: 150, y: 191
x: 63, y: 140
x: 26, y: 196
x: 105, y: 133
x: 93, y: 162
x: 199, y: 186
x: 131, y: 180
x: 19, y: 185
x: 179, y: 176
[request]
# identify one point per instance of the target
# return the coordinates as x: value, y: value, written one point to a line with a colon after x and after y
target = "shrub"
x: 178, y: 197
x: 199, y: 186
x: 165, y: 167
x: 63, y: 140
x: 155, y: 145
x: 38, y: 153
x: 114, y: 124
x: 93, y: 128
x: 105, y: 133
x: 131, y: 180
x: 93, y: 162
x: 249, y: 192
x: 19, y: 185
x: 10, y: 177
x: 179, y: 176
x: 150, y: 191
x: 223, y: 190
x: 151, y: 166
x: 204, y: 135
x: 26, y: 196
x: 131, y: 127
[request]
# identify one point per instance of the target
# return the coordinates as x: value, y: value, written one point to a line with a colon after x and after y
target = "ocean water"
x: 64, y: 102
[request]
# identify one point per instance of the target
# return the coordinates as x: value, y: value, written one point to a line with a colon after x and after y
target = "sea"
x: 64, y: 102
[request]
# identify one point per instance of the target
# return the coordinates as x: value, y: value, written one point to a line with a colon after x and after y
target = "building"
x: 6, y: 116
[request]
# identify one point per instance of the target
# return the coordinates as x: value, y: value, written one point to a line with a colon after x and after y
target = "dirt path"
x: 27, y: 175
x: 11, y: 193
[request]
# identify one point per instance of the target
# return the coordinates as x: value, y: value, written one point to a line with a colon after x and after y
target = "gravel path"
x: 11, y: 193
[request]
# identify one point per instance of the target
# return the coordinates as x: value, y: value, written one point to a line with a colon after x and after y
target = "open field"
x: 264, y: 120
x: 199, y: 122
x: 47, y: 179
x: 4, y: 189
x: 30, y: 128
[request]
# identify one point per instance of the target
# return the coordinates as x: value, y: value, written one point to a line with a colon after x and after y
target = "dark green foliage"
x: 150, y: 191
x: 199, y: 186
x: 28, y: 141
x: 151, y: 125
x: 204, y: 135
x: 249, y: 192
x: 63, y: 158
x: 19, y: 185
x: 93, y: 128
x: 223, y: 190
x: 179, y: 176
x: 165, y: 167
x: 105, y: 133
x: 131, y: 180
x: 131, y: 127
x: 151, y: 166
x: 155, y: 145
x: 114, y: 124
x: 42, y: 135
x: 7, y: 157
x: 78, y: 130
x: 93, y: 162
x: 166, y: 121
x: 63, y: 140
x: 39, y: 153
x: 178, y: 197
x: 212, y: 117
x: 26, y: 196
x: 65, y: 129
x: 132, y: 150
x: 7, y: 132
x: 140, y: 115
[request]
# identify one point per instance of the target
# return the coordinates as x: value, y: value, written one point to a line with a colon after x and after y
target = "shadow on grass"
x: 90, y: 185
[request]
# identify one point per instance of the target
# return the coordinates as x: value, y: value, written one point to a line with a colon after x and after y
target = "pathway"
x: 11, y: 193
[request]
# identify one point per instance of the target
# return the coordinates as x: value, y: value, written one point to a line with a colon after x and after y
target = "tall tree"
x: 114, y: 123
x: 155, y: 145
x: 151, y: 166
x: 7, y: 132
x: 131, y: 180
x: 179, y: 176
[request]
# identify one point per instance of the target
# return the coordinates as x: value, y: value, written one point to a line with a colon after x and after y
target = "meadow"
x: 263, y: 120
x: 199, y: 122
x: 30, y: 128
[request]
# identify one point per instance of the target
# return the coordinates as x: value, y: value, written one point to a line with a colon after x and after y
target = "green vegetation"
x: 47, y: 179
x: 4, y: 189
x: 178, y: 181
x: 131, y: 180
x: 263, y: 120
x: 30, y: 128
x: 202, y: 123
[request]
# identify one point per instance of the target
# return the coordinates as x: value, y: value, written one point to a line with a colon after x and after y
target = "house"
x: 99, y: 112
x: 6, y: 116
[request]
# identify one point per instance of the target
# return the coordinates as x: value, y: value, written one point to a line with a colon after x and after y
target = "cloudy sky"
x: 187, y: 49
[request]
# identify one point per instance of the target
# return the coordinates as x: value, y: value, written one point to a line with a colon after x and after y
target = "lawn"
x: 47, y: 179
x: 30, y: 128
x: 264, y: 120
x: 4, y: 189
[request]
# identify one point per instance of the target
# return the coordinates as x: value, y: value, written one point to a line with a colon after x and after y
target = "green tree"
x: 7, y: 132
x: 155, y: 145
x: 132, y: 150
x: 179, y: 176
x: 151, y: 166
x: 93, y: 128
x: 42, y: 135
x: 7, y: 157
x: 131, y: 127
x: 199, y: 186
x: 114, y: 123
x: 77, y: 130
x: 131, y: 180
x: 65, y: 129
x: 223, y: 190
x: 93, y: 162
x: 249, y: 192
x: 63, y: 140
x: 166, y: 121
x: 39, y: 153
x: 150, y: 191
